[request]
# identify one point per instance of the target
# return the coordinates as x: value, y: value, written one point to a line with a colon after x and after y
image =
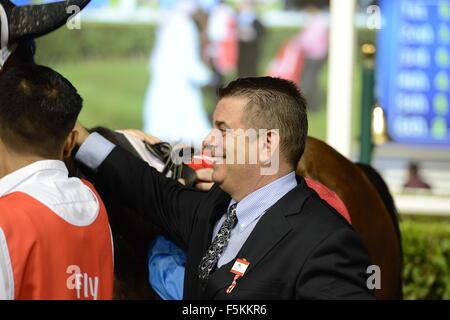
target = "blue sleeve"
x: 166, y: 269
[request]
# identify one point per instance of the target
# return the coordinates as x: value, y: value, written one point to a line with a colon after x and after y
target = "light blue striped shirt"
x: 250, y: 210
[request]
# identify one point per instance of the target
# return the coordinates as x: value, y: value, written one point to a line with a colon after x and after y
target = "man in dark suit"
x: 296, y: 246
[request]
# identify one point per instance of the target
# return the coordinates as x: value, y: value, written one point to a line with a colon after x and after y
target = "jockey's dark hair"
x: 38, y: 109
x: 274, y: 103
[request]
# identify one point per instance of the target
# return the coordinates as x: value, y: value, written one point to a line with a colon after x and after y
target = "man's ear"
x: 269, y: 143
x: 69, y: 144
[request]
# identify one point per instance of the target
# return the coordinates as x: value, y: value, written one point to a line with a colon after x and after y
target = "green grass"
x: 113, y: 91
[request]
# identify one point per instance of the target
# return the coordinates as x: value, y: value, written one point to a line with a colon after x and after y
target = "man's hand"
x: 83, y: 134
x: 204, y: 179
x: 151, y: 140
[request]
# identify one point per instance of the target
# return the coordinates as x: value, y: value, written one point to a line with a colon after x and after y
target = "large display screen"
x: 413, y: 70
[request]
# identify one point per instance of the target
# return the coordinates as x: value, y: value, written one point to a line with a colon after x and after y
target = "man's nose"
x: 207, y: 141
x: 213, y: 142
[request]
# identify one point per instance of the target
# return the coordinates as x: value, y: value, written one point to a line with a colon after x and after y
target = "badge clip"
x: 239, y: 269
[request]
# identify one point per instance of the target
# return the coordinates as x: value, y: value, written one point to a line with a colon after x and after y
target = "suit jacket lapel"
x: 219, y: 208
x: 271, y: 229
x: 210, y: 214
x: 273, y: 226
x: 218, y: 280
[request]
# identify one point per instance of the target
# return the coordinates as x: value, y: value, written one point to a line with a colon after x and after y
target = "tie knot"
x: 232, y: 211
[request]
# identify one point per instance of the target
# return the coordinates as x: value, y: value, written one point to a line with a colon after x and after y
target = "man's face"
x: 230, y: 146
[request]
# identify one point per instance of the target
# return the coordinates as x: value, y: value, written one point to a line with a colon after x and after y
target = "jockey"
x: 55, y: 240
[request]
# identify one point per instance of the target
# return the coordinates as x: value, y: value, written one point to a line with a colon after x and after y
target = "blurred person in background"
x: 250, y: 32
x: 222, y: 34
x: 173, y: 105
x: 414, y: 180
x: 313, y: 41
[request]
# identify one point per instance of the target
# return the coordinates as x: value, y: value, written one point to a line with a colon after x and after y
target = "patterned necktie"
x: 218, y: 246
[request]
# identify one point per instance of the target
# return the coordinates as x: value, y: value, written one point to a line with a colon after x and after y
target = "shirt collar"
x: 15, y: 179
x: 258, y: 202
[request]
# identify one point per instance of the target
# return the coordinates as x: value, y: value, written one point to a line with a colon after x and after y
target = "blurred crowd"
x: 200, y: 44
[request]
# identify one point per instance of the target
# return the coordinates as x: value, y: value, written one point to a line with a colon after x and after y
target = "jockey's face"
x: 230, y: 145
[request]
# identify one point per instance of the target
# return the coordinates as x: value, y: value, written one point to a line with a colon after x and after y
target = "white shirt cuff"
x: 94, y: 151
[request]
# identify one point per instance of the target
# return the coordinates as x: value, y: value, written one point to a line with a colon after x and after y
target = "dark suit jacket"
x: 300, y: 249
